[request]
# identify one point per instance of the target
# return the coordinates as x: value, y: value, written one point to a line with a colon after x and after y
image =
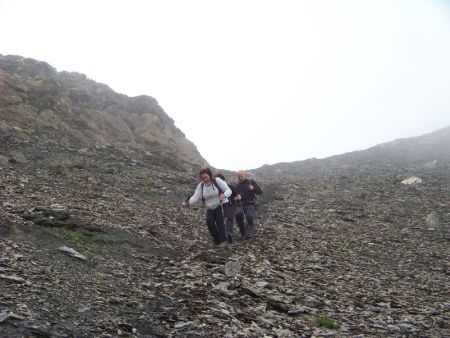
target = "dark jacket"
x: 248, y: 196
x: 233, y: 193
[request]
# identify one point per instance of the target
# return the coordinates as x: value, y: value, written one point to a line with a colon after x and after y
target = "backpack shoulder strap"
x: 218, y: 188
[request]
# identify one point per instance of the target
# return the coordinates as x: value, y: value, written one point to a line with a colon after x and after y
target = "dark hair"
x: 220, y: 176
x: 206, y: 171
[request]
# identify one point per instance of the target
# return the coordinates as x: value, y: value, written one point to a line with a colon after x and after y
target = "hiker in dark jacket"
x: 246, y: 191
x: 213, y: 191
x: 229, y: 208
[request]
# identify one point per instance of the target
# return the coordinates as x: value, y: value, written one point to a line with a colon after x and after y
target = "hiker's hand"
x: 238, y: 197
x: 251, y: 187
x: 184, y: 205
x: 221, y: 197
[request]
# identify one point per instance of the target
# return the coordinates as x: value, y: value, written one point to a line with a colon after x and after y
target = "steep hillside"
x: 422, y: 153
x: 93, y: 242
x: 70, y: 109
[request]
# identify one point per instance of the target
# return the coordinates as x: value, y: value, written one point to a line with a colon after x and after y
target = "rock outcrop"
x: 71, y: 109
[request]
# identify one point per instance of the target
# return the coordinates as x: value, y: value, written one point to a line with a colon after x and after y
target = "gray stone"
x: 72, y: 252
x: 83, y: 309
x: 12, y: 278
x: 393, y: 328
x: 182, y: 325
x: 232, y: 268
x: 405, y: 327
x: 432, y: 220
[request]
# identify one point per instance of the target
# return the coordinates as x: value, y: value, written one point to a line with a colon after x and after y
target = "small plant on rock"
x: 325, y: 322
x: 347, y: 245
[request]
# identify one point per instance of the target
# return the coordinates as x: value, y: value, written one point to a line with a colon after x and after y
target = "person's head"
x: 241, y: 175
x: 220, y: 176
x: 205, y: 175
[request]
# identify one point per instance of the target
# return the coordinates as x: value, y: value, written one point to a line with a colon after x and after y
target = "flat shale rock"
x: 232, y: 268
x: 72, y: 252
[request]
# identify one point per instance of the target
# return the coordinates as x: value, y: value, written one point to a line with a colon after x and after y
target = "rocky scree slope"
x: 93, y: 244
x: 76, y: 111
x: 423, y: 152
x: 343, y: 255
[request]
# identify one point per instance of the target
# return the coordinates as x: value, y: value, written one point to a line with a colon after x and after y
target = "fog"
x: 256, y: 82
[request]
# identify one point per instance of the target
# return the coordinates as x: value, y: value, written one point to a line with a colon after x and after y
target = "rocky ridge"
x: 69, y: 108
x: 428, y: 151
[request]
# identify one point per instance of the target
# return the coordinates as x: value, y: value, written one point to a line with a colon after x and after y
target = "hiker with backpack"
x: 213, y: 191
x: 229, y: 209
x: 246, y: 191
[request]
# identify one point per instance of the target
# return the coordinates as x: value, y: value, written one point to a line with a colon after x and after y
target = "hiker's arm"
x: 256, y: 188
x: 197, y: 195
x: 224, y: 187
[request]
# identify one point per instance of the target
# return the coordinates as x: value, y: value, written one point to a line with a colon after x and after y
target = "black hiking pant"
x: 229, y: 211
x: 247, y: 210
x: 216, y: 226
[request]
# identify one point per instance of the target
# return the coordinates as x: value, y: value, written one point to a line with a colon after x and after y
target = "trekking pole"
x: 257, y: 212
x: 244, y: 217
x: 174, y: 223
x: 224, y: 224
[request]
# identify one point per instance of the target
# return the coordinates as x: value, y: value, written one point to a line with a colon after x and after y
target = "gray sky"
x: 255, y: 82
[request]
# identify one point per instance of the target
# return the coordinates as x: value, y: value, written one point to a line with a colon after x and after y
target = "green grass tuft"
x: 347, y: 245
x: 325, y: 322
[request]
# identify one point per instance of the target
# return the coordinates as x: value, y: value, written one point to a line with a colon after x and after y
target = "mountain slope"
x: 76, y: 111
x: 421, y: 152
x: 342, y: 247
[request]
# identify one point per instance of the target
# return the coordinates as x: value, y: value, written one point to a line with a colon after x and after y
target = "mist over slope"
x: 421, y: 152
